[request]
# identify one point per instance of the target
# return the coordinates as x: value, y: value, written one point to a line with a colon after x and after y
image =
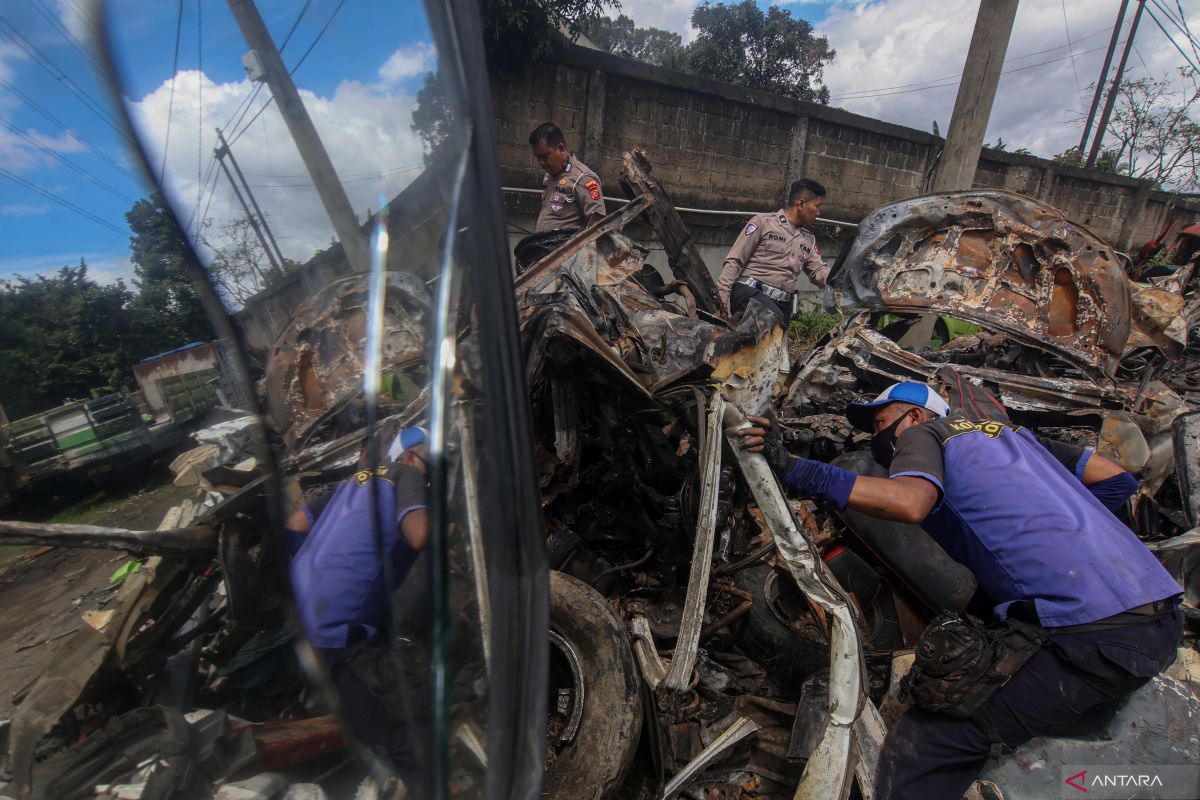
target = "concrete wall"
x: 715, y: 147
x: 723, y: 147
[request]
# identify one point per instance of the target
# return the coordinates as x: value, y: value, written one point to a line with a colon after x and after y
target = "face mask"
x: 883, y: 444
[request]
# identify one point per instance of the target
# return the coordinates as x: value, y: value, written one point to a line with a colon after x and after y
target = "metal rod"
x: 711, y: 211
x: 1112, y: 47
x: 200, y: 540
x: 225, y: 149
x: 1111, y: 100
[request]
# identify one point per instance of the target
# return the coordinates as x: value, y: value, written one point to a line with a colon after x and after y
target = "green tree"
x: 1154, y: 132
x: 63, y: 338
x: 738, y: 43
x: 515, y: 31
x: 622, y: 37
x: 166, y: 312
x: 240, y: 267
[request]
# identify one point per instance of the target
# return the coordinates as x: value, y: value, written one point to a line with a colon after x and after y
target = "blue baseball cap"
x: 862, y: 415
x: 406, y: 439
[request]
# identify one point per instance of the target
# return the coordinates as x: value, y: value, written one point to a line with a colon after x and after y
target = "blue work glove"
x: 811, y: 478
x: 823, y: 481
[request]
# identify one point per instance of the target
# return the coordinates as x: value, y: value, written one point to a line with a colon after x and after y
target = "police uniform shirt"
x: 570, y: 199
x: 1015, y: 511
x: 772, y: 250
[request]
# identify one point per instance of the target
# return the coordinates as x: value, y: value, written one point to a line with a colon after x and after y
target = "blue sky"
x: 367, y: 67
x: 48, y: 79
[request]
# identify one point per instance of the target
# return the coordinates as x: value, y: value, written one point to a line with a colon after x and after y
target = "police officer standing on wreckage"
x: 772, y: 251
x: 571, y: 196
x: 1084, y: 613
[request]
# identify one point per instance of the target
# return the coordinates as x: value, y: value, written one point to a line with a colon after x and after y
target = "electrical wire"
x: 954, y: 81
x: 1071, y: 50
x: 1187, y: 30
x: 292, y: 71
x: 65, y: 203
x: 52, y: 18
x: 959, y: 75
x: 69, y: 130
x: 46, y: 63
x: 1171, y: 39
x: 67, y: 162
x: 1181, y: 25
x: 171, y: 102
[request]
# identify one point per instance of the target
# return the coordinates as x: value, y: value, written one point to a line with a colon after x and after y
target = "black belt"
x: 778, y: 295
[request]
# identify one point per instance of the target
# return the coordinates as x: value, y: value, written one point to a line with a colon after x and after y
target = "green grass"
x: 82, y: 512
x: 808, y: 326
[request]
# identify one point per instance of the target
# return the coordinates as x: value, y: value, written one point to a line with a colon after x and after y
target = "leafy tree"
x: 240, y: 267
x: 1154, y: 132
x: 1106, y: 160
x: 1002, y: 146
x: 431, y: 117
x: 622, y: 37
x: 738, y: 43
x: 167, y: 310
x: 61, y: 338
x: 518, y: 30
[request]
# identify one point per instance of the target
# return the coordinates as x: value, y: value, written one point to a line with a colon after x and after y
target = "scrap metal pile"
x: 711, y: 637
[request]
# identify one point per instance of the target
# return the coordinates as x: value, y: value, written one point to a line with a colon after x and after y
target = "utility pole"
x: 265, y: 57
x: 976, y: 93
x: 225, y: 150
x: 1116, y: 87
x: 1112, y: 47
x: 253, y: 221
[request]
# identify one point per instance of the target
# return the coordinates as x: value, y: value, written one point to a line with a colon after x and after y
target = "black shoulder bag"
x: 959, y: 665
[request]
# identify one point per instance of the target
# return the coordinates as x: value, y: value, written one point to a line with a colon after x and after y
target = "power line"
x: 1177, y: 23
x: 1071, y: 48
x: 292, y: 71
x: 1171, y: 39
x: 1187, y: 30
x: 65, y: 203
x: 67, y: 162
x: 959, y: 75
x: 50, y: 17
x: 71, y: 131
x: 953, y: 80
x: 58, y: 74
x: 171, y: 102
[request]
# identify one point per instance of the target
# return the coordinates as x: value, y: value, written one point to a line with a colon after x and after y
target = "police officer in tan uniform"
x: 571, y: 195
x: 772, y: 251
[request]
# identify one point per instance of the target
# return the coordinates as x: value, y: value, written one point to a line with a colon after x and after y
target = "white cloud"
x: 365, y: 128
x: 887, y: 45
x: 77, y: 18
x: 104, y: 268
x: 670, y: 15
x: 408, y: 62
x: 23, y: 210
x: 9, y: 54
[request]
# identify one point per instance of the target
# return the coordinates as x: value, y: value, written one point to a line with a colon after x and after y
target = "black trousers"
x: 385, y: 707
x: 740, y: 294
x: 1070, y: 687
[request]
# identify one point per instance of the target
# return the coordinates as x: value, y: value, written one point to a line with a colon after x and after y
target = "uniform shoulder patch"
x: 562, y: 181
x: 593, y: 187
x: 751, y: 228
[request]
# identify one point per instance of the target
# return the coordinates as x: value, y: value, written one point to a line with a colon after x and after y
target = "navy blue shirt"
x: 337, y: 574
x: 1015, y: 515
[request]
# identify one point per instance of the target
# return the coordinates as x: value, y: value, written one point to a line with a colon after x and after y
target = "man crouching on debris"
x: 1032, y: 521
x: 342, y: 577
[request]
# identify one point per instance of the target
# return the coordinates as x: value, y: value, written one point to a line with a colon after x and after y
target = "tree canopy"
x: 622, y: 37
x: 517, y: 30
x: 64, y: 337
x: 741, y: 44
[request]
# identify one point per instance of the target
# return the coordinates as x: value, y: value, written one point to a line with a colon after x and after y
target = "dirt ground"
x: 44, y: 591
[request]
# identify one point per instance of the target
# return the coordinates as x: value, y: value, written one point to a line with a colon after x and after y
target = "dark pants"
x: 740, y: 294
x: 1069, y: 687
x: 385, y: 707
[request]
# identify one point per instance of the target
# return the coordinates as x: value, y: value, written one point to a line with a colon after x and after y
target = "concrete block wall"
x: 728, y: 148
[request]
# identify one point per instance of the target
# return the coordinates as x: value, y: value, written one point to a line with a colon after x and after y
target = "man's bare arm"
x: 903, y: 499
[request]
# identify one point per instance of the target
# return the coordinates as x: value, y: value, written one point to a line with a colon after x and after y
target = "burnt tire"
x: 596, y: 760
x: 789, y: 655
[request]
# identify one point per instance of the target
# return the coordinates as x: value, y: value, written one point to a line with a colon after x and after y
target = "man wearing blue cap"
x: 1033, y: 521
x: 362, y: 546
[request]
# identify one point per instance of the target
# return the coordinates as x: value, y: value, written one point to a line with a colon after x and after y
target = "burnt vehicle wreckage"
x: 710, y: 636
